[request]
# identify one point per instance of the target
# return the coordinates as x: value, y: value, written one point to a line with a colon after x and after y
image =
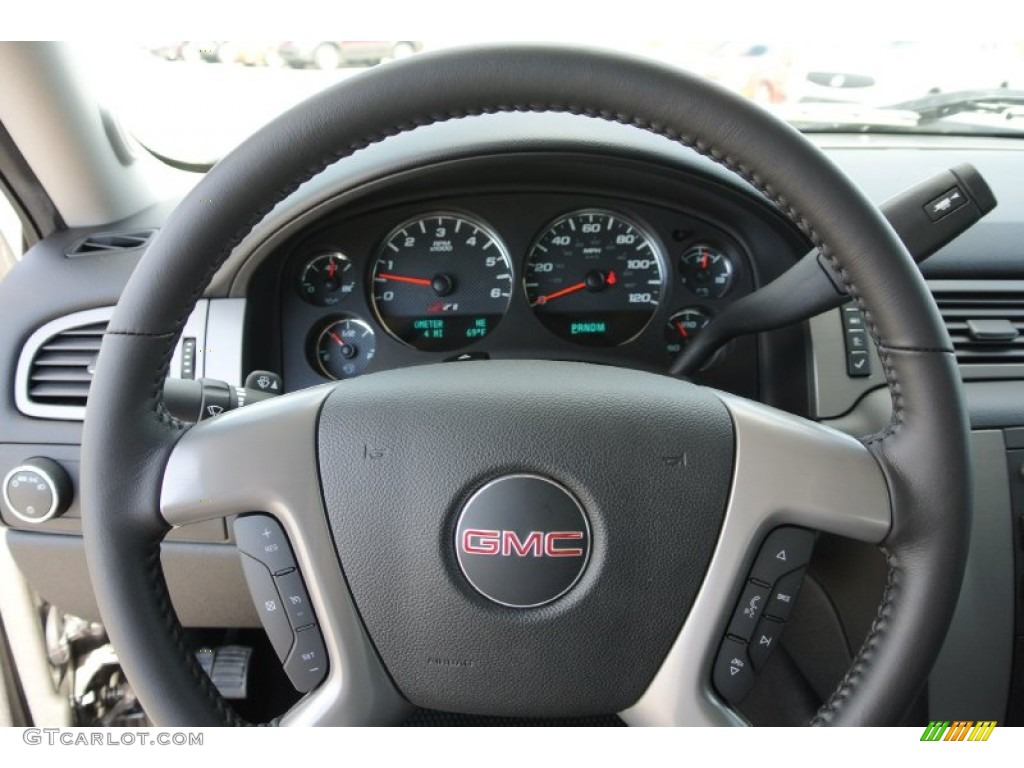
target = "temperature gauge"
x: 327, y: 279
x: 344, y: 348
x: 706, y: 271
x: 682, y: 327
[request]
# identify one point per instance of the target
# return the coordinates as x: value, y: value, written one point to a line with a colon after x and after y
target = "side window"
x: 11, y: 239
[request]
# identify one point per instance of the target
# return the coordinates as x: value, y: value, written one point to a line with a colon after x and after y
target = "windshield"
x: 191, y: 101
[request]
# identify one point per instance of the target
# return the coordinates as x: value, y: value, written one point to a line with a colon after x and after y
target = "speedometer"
x: 594, y: 277
x: 441, y: 281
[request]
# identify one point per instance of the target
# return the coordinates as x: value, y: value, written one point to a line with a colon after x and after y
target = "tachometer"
x: 441, y: 282
x: 594, y: 277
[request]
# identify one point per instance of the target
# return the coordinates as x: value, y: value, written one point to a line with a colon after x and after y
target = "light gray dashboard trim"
x: 832, y: 391
x: 224, y: 340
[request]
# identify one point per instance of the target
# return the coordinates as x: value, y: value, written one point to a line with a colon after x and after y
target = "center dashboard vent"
x: 985, y: 324
x: 105, y: 242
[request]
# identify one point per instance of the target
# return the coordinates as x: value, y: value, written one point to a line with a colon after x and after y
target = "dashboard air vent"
x: 62, y: 368
x: 111, y: 241
x: 986, y: 326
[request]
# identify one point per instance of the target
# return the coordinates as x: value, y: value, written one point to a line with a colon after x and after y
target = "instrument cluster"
x: 566, y: 277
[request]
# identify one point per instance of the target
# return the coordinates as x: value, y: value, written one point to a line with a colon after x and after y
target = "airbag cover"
x: 650, y: 460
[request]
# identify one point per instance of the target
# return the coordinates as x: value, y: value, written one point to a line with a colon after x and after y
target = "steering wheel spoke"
x: 263, y: 459
x: 788, y: 472
x: 792, y: 471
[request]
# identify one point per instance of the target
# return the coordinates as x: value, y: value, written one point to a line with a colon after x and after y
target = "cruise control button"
x: 268, y: 606
x: 785, y: 550
x: 262, y: 537
x: 765, y: 638
x: 307, y: 664
x: 733, y: 674
x: 748, y: 612
x: 295, y: 599
x: 780, y: 603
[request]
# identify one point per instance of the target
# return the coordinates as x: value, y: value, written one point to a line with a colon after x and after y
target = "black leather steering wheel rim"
x: 129, y: 435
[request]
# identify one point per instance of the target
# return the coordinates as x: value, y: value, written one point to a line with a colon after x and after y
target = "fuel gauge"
x: 327, y: 279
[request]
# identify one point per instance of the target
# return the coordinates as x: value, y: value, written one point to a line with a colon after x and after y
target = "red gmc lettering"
x: 476, y: 541
x: 510, y: 544
x: 555, y: 536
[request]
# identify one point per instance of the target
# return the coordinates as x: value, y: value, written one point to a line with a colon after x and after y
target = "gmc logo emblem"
x: 476, y: 541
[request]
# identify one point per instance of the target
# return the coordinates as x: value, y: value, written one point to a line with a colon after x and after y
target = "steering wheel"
x: 617, y: 513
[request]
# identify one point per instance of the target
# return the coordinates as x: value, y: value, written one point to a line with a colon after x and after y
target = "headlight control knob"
x: 37, y: 490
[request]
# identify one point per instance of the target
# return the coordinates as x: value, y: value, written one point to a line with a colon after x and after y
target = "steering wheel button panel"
x: 749, y: 611
x: 765, y: 638
x: 269, y: 605
x: 785, y: 550
x: 733, y: 674
x: 784, y: 596
x: 261, y: 537
x: 780, y: 564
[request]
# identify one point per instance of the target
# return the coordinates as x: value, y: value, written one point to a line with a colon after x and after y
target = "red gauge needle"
x: 337, y: 338
x: 682, y: 330
x: 404, y: 279
x: 704, y: 260
x: 332, y: 268
x: 611, y: 279
x: 558, y: 294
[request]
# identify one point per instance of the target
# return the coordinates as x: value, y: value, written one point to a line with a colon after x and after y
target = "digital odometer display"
x: 441, y: 282
x: 595, y: 278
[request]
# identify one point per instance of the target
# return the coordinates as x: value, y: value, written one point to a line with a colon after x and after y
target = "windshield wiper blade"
x: 938, y: 106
